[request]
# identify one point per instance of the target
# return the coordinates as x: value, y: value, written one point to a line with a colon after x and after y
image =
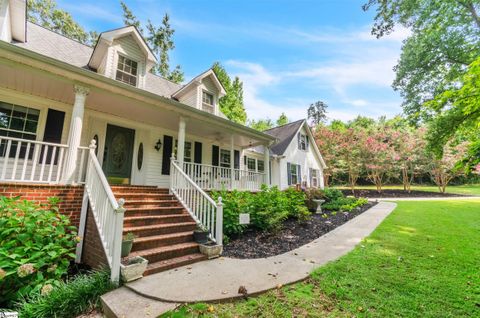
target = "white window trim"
x: 204, y: 105
x: 224, y: 164
x: 304, y: 137
x: 137, y: 77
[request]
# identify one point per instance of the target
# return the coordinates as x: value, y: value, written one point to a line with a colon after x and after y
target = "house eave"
x: 92, y: 79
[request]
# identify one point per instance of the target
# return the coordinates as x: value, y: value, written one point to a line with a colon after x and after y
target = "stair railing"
x: 107, y: 212
x: 203, y: 209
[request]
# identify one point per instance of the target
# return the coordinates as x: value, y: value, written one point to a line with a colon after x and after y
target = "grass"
x: 466, y: 189
x: 422, y: 261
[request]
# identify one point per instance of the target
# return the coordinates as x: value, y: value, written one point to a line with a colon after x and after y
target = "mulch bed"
x: 255, y: 243
x: 388, y: 193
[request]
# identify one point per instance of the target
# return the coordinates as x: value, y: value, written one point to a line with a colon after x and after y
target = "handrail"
x: 203, y: 209
x: 107, y: 212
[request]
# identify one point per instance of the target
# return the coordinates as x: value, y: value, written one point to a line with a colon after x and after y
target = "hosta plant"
x: 36, y: 246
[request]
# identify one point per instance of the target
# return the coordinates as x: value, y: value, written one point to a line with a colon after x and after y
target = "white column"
x: 75, y: 133
x: 266, y: 163
x: 232, y: 162
x: 181, y: 140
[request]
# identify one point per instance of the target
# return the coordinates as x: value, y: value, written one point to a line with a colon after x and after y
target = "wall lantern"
x: 158, y: 145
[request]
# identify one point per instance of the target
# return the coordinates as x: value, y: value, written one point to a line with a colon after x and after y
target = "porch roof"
x: 22, y: 58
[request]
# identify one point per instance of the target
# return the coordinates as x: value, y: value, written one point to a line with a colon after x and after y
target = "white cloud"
x: 93, y: 12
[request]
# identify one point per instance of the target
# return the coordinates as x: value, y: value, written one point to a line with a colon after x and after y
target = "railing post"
x: 117, y: 241
x: 219, y: 222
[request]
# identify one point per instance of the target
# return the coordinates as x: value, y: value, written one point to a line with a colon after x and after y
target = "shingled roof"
x: 284, y: 135
x: 59, y: 47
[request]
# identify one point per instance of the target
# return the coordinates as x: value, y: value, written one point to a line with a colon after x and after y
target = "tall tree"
x: 232, y: 103
x: 47, y: 14
x: 160, y: 40
x: 282, y: 120
x: 445, y: 38
x: 317, y: 113
x: 261, y: 124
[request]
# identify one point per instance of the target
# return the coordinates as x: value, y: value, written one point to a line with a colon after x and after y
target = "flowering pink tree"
x: 444, y: 169
x: 328, y: 142
x: 350, y: 154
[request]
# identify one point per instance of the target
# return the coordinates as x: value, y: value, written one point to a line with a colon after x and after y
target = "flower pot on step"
x: 133, y: 269
x: 126, y: 247
x: 200, y: 236
x: 211, y: 250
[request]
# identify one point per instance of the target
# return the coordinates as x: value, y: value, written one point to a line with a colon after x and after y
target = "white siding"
x: 191, y: 97
x: 5, y: 27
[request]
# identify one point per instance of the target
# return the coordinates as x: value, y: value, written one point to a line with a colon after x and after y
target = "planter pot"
x: 133, y: 269
x: 200, y: 237
x: 211, y: 251
x: 319, y: 205
x: 126, y: 247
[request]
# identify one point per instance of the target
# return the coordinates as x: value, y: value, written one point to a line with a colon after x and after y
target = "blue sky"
x: 288, y: 53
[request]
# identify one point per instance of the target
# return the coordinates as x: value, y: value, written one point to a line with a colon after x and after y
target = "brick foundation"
x: 71, y: 196
x: 93, y: 253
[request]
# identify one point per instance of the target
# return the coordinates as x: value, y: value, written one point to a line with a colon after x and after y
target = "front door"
x: 117, y: 158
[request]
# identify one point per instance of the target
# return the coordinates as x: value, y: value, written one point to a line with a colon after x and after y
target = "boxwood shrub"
x: 36, y: 246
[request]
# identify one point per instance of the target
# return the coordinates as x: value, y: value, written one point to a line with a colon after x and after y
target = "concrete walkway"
x: 220, y: 279
x: 428, y: 198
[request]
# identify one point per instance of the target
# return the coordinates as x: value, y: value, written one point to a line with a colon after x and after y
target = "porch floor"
x: 221, y: 278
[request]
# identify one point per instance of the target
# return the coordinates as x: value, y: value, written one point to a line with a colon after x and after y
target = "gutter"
x: 90, y: 75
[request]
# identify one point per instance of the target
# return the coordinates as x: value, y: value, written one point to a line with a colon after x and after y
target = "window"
x: 225, y: 158
x: 187, y: 151
x: 302, y: 142
x: 18, y: 122
x: 314, y: 174
x: 293, y: 171
x: 207, y: 102
x: 260, y: 166
x: 127, y: 70
x: 251, y: 164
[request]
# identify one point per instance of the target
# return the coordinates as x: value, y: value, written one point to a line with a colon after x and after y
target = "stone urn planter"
x: 319, y: 203
x: 133, y: 268
x: 211, y: 250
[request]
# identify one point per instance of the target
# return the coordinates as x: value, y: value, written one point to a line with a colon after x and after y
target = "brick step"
x: 164, y: 265
x: 158, y: 229
x: 154, y: 210
x: 130, y: 221
x: 167, y: 252
x: 140, y: 196
x: 149, y: 202
x: 148, y: 242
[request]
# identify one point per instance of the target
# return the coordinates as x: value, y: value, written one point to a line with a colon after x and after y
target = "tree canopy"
x: 317, y: 113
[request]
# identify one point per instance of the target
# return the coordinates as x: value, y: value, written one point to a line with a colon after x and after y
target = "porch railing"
x: 210, y: 177
x: 107, y: 212
x: 199, y: 204
x: 32, y: 161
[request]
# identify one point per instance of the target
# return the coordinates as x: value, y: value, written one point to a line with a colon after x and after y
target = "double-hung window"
x: 18, y: 122
x: 314, y: 175
x: 251, y: 164
x: 187, y: 151
x: 294, y: 173
x: 225, y: 158
x: 302, y: 141
x: 260, y: 166
x: 208, y: 102
x: 127, y: 70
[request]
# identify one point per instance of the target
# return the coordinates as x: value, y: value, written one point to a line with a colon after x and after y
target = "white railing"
x: 216, y: 178
x: 107, y: 211
x: 32, y: 161
x: 199, y: 204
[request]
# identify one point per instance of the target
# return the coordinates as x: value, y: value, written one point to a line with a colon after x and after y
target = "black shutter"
x: 298, y: 141
x: 52, y: 133
x: 308, y: 143
x: 167, y: 154
x: 236, y: 159
x: 288, y: 174
x: 215, y: 155
x: 299, y: 173
x: 310, y: 175
x: 198, y: 152
x: 245, y: 161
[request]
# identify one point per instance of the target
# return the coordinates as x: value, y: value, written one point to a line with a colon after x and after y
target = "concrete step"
x: 154, y: 210
x: 162, y: 253
x: 143, y: 220
x: 148, y: 242
x: 164, y: 265
x: 159, y: 229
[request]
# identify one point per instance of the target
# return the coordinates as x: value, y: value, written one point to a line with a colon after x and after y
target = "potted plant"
x: 127, y: 243
x: 133, y: 268
x: 200, y: 235
x: 211, y: 250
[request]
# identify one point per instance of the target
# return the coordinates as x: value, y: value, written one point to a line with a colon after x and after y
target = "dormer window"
x: 207, y: 102
x: 127, y: 70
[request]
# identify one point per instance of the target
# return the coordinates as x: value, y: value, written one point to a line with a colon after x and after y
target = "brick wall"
x: 71, y: 196
x: 93, y: 253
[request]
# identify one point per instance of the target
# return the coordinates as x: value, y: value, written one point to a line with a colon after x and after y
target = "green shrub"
x: 297, y: 204
x: 344, y: 204
x: 332, y: 194
x: 36, y: 246
x: 68, y: 299
x: 269, y: 208
x: 313, y: 194
x: 234, y: 203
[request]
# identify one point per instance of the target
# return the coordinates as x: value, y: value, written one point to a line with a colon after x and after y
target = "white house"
x: 72, y: 115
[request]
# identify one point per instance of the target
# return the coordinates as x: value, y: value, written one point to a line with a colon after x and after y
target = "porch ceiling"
x: 36, y: 83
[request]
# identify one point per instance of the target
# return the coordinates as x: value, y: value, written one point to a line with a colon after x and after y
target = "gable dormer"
x: 13, y: 20
x: 123, y: 55
x: 202, y: 92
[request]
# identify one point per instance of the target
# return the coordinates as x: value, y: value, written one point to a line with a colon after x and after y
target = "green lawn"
x: 466, y: 189
x: 422, y: 261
